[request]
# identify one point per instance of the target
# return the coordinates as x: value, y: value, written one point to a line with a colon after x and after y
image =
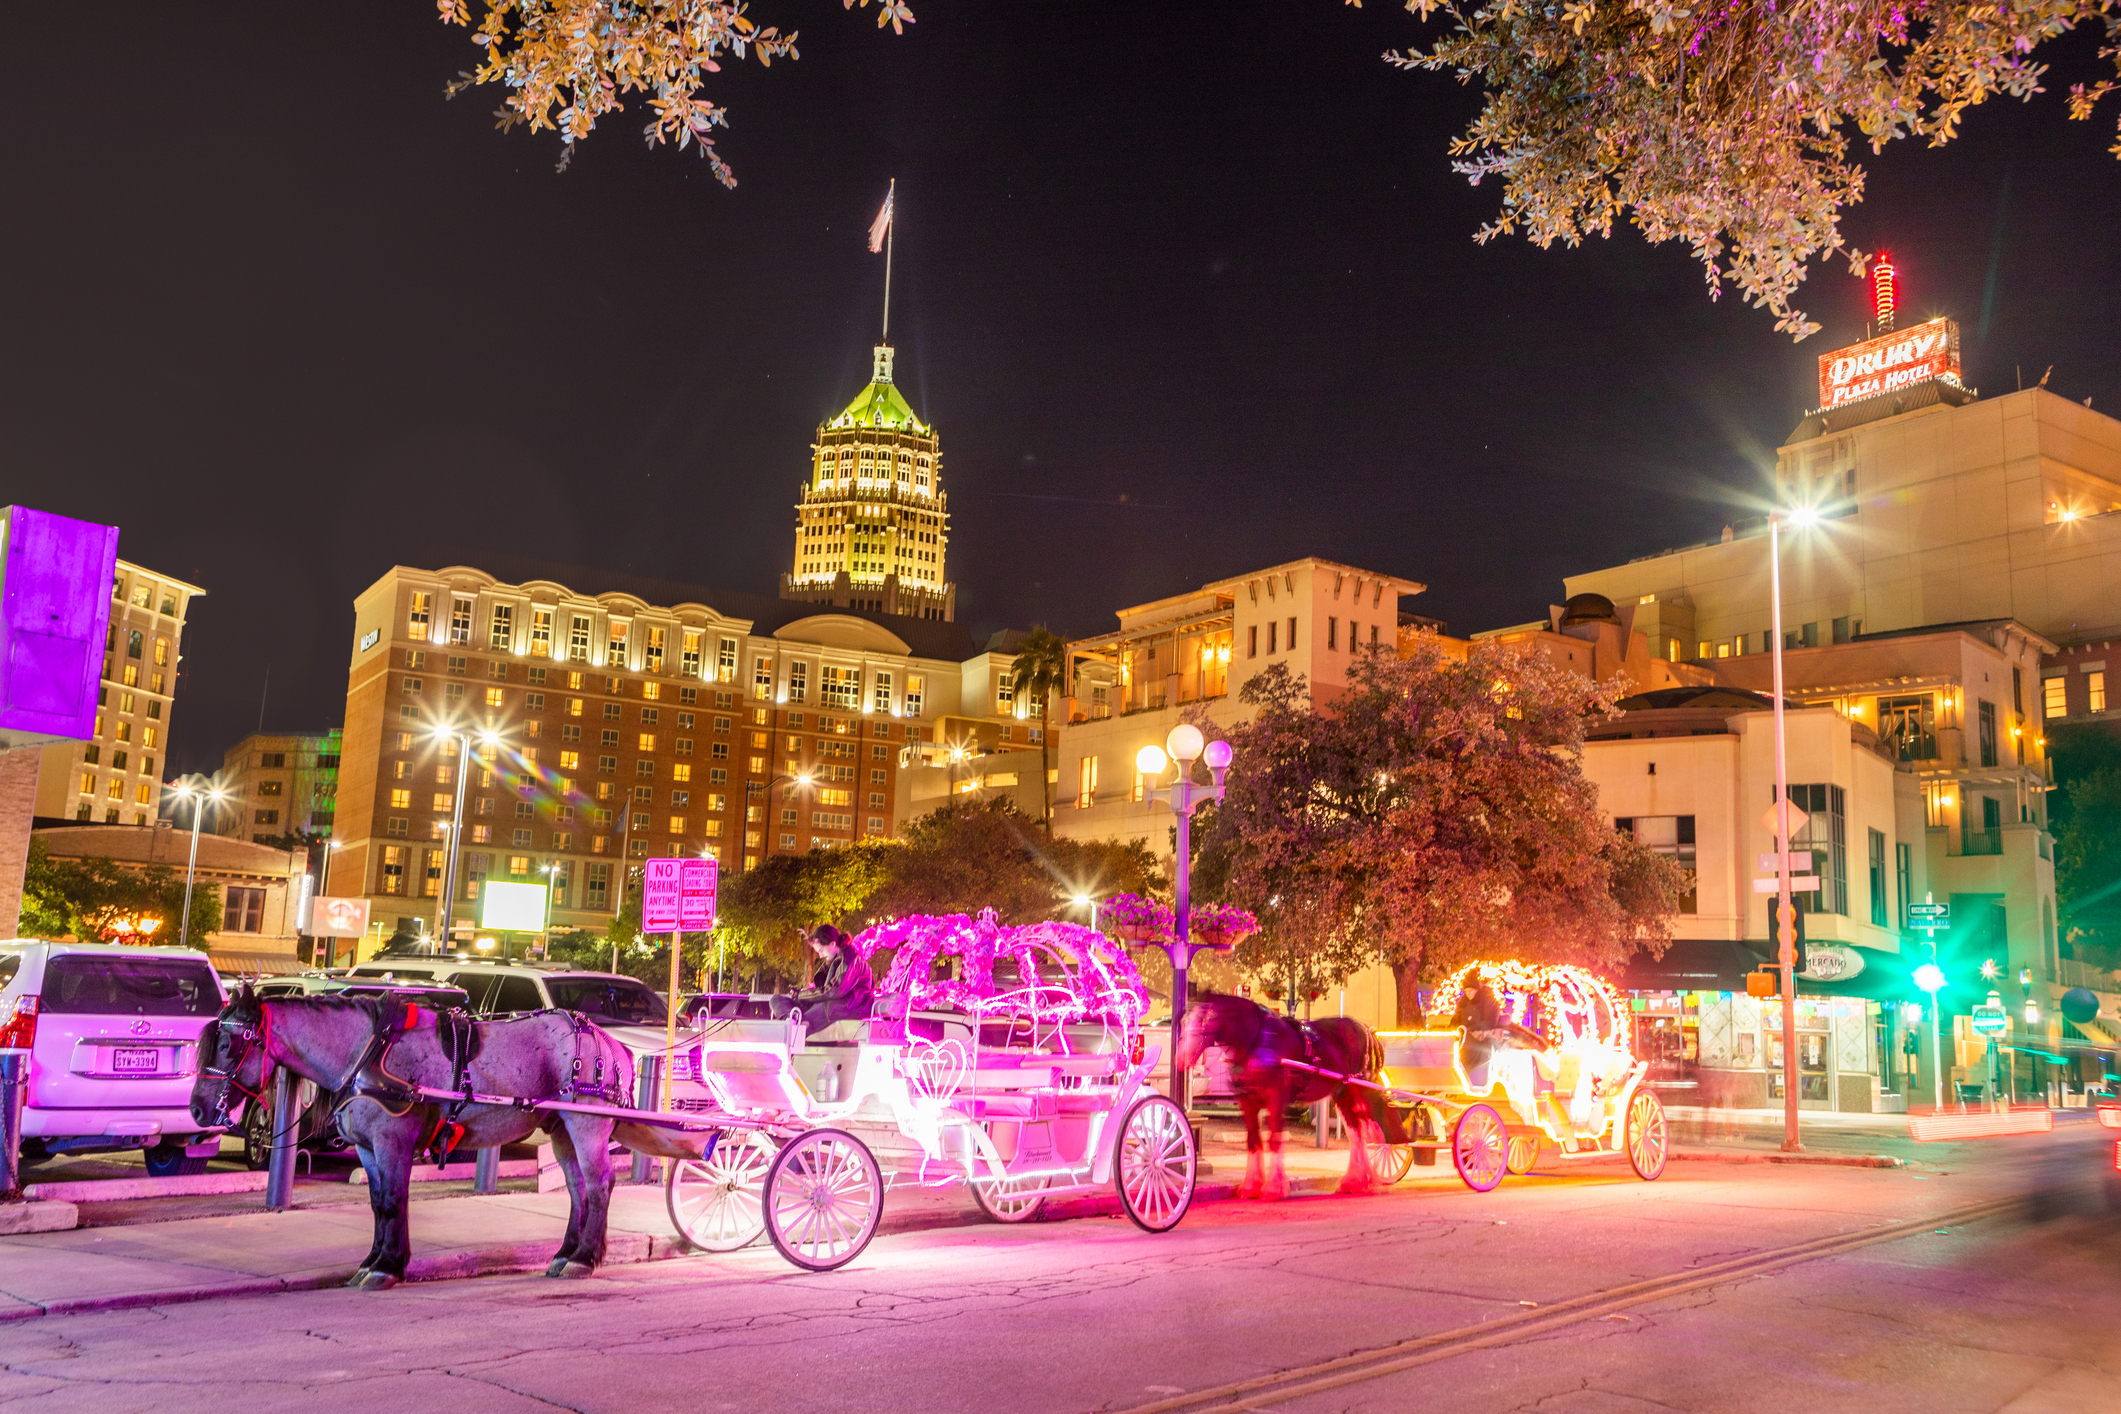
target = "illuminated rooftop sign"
x: 1889, y: 363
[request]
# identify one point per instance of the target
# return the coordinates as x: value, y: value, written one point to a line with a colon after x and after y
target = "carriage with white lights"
x: 1551, y: 1068
x: 1008, y: 1059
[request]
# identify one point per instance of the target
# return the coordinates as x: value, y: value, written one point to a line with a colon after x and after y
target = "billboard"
x: 55, y: 586
x: 338, y: 917
x: 512, y: 908
x: 1889, y: 363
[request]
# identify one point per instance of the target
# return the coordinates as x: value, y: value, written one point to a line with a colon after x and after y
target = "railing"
x: 2071, y: 973
x: 1911, y: 746
x: 1972, y: 841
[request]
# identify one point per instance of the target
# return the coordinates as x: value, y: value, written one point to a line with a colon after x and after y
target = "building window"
x: 459, y: 620
x: 578, y: 639
x: 416, y: 620
x: 1909, y: 726
x: 1252, y: 641
x: 1988, y: 733
x: 265, y: 817
x: 841, y: 687
x: 910, y: 701
x: 1673, y: 837
x: 798, y: 681
x: 501, y: 632
x: 1878, y: 913
x: 1292, y: 633
x: 1825, y: 835
x: 762, y: 679
x: 2053, y: 696
x: 652, y: 654
x: 1332, y: 633
x: 615, y: 645
x: 2096, y: 682
x: 395, y: 827
x: 394, y: 869
x: 401, y: 800
x: 598, y: 883
x: 689, y: 662
x: 647, y: 741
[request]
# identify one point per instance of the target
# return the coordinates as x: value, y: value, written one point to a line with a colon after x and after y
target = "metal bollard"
x: 1321, y: 1116
x: 14, y: 1089
x: 286, y: 1130
x: 648, y: 1092
x: 486, y: 1173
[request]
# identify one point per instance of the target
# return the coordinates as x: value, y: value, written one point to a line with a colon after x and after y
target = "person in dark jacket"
x: 845, y: 991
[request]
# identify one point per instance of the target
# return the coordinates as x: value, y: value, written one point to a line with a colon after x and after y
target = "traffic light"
x: 1774, y: 913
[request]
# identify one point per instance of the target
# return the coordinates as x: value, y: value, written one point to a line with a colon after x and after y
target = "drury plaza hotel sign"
x: 1889, y: 363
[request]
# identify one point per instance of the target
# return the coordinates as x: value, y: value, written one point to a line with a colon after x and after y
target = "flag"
x: 881, y: 226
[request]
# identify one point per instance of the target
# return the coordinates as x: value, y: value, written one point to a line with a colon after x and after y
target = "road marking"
x: 1266, y: 1391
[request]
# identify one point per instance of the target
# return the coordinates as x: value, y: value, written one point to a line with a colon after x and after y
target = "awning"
x: 1692, y: 965
x: 257, y: 964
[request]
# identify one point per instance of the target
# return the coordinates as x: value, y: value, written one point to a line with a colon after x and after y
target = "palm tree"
x: 1042, y: 671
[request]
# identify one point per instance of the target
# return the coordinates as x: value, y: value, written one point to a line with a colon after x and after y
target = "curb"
x: 1853, y: 1161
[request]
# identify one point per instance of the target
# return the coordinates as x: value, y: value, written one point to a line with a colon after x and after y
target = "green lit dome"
x: 880, y: 405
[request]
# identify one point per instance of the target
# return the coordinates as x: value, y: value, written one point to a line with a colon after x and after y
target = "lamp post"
x: 1089, y: 902
x: 456, y: 829
x: 199, y: 796
x: 1184, y: 797
x: 1930, y: 978
x: 1786, y: 919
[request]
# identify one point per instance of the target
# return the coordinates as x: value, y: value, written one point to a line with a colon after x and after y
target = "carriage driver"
x: 845, y: 992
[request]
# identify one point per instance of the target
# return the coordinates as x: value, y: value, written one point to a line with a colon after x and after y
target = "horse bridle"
x: 256, y: 1036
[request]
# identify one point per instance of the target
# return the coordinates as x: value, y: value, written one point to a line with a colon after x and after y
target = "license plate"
x: 132, y: 1062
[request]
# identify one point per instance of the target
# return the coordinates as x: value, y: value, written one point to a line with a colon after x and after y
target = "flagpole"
x: 890, y: 229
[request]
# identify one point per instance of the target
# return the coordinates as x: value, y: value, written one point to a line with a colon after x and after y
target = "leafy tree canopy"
x: 1434, y: 812
x: 101, y: 900
x: 1727, y: 127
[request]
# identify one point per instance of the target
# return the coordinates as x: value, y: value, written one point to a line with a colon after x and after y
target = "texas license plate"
x: 130, y: 1061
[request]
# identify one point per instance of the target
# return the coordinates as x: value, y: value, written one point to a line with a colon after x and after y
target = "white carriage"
x: 1008, y: 1059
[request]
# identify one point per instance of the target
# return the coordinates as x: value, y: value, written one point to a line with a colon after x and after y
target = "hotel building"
x: 279, y: 783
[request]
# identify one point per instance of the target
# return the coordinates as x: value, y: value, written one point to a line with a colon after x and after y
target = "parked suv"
x: 112, y: 1035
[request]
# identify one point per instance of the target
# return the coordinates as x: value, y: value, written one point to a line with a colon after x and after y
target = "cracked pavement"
x: 1093, y: 1315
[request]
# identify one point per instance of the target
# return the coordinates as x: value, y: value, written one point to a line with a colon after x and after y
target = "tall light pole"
x: 1184, y: 797
x: 456, y: 829
x: 1088, y: 901
x: 199, y: 796
x: 1786, y: 918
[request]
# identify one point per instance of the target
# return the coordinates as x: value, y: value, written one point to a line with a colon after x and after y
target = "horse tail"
x: 1373, y: 1053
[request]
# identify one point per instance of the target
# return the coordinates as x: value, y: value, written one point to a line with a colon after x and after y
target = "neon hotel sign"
x: 1889, y: 363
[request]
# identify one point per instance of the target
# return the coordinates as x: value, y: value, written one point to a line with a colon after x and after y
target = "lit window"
x: 647, y: 741
x: 2096, y: 683
x: 2053, y: 696
x: 541, y: 633
x: 493, y: 697
x: 401, y: 800
x: 677, y: 824
x: 416, y: 618
x: 501, y: 633
x: 681, y: 772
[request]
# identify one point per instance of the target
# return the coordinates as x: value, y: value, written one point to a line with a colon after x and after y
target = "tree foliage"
x: 1041, y: 670
x: 101, y: 900
x: 568, y: 63
x: 2085, y: 814
x: 1728, y: 126
x: 1433, y: 813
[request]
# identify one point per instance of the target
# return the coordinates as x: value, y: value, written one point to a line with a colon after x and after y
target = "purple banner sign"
x: 55, y: 579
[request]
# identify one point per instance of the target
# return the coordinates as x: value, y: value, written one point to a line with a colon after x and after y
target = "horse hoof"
x: 360, y: 1275
x: 377, y: 1281
x: 557, y: 1268
x: 570, y: 1271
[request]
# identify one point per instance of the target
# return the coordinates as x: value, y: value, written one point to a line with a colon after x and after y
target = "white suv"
x: 112, y: 1034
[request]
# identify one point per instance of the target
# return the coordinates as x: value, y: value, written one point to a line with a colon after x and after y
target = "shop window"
x: 1673, y: 837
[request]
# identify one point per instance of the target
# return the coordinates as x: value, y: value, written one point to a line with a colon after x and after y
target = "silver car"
x: 112, y: 1035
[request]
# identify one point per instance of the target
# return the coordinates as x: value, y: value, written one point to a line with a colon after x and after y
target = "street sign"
x: 1929, y: 915
x: 1799, y: 884
x: 1780, y: 811
x: 1989, y: 1018
x: 1800, y: 861
x: 677, y: 895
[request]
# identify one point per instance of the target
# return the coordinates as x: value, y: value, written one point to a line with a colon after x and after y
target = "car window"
x: 515, y: 994
x: 617, y: 999
x: 476, y: 985
x: 413, y: 970
x: 85, y: 984
x: 10, y: 964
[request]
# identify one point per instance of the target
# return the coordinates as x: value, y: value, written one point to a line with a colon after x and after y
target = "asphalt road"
x: 2018, y: 1310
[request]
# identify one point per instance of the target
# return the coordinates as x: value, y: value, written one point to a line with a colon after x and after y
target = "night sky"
x: 1187, y: 289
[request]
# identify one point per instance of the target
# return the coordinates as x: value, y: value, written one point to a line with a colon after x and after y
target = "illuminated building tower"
x: 873, y: 524
x: 1883, y: 296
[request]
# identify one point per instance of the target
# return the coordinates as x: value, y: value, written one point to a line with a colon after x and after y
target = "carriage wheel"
x: 1157, y: 1164
x: 1647, y: 1139
x: 1478, y: 1146
x: 1523, y: 1153
x: 719, y: 1204
x: 824, y: 1195
x: 1389, y: 1162
x: 1012, y: 1200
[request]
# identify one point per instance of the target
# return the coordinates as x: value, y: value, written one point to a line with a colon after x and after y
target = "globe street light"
x: 1930, y: 978
x: 1186, y: 746
x: 200, y: 794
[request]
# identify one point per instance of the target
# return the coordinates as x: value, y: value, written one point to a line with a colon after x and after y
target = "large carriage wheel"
x: 719, y: 1204
x: 1523, y: 1152
x: 824, y: 1195
x: 1157, y: 1164
x: 1389, y: 1162
x: 1647, y: 1138
x: 1012, y: 1200
x: 1479, y: 1145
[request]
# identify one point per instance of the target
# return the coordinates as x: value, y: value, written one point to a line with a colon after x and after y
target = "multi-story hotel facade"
x: 114, y: 778
x: 279, y: 784
x: 643, y: 720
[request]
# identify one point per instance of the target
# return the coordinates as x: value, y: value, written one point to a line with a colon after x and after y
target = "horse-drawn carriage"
x: 1543, y: 1059
x: 1023, y: 1074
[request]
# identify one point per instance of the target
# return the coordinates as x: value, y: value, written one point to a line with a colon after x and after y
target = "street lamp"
x: 1786, y: 914
x: 456, y: 827
x: 800, y: 778
x: 200, y: 795
x: 1087, y: 901
x: 1184, y: 797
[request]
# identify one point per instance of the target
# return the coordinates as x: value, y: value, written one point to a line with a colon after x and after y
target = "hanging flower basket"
x: 1138, y: 920
x: 1220, y: 926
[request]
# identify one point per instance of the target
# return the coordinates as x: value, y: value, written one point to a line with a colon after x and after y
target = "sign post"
x: 1929, y: 916
x: 1990, y: 1020
x: 677, y: 896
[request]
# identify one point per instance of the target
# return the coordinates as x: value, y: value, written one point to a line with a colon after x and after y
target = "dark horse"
x: 1259, y: 1041
x: 372, y: 1053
